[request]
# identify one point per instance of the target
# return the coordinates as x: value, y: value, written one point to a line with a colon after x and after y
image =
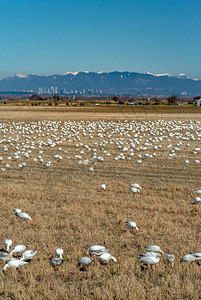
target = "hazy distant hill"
x: 119, y: 83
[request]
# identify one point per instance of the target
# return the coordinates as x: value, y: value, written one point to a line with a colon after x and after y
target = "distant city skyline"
x: 99, y: 84
x: 54, y: 37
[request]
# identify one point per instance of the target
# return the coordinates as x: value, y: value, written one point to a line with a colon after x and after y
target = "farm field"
x: 70, y: 211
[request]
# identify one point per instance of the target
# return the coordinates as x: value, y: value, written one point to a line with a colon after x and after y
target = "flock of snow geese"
x: 151, y: 257
x: 47, y: 143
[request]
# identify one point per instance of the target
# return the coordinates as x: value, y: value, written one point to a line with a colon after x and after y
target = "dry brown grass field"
x: 70, y: 211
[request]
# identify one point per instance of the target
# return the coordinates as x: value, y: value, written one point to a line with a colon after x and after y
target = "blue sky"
x: 54, y: 37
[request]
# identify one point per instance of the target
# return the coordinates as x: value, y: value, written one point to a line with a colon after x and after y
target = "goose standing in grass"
x: 106, y: 257
x: 133, y: 190
x: 15, y: 263
x: 28, y: 254
x: 85, y: 261
x: 21, y: 215
x: 8, y: 243
x: 135, y: 185
x: 170, y: 258
x: 189, y: 258
x: 5, y: 257
x: 97, y: 250
x: 149, y: 260
x: 18, y: 249
x: 197, y: 256
x: 197, y: 200
x: 103, y: 186
x: 154, y: 248
x: 131, y: 225
x: 56, y: 262
x: 59, y: 252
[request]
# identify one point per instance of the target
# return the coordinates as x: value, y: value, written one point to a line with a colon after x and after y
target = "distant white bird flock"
x: 119, y: 141
x: 19, y: 250
x: 101, y: 252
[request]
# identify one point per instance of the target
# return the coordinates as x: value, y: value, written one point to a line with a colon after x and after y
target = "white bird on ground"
x: 133, y: 190
x: 59, y: 252
x: 23, y: 216
x: 85, y: 261
x: 18, y: 249
x: 132, y: 225
x: 197, y: 200
x: 28, y: 254
x: 135, y: 185
x: 56, y: 262
x: 188, y: 258
x: 103, y: 186
x: 154, y: 248
x: 106, y: 257
x: 170, y: 258
x: 197, y: 256
x: 14, y: 263
x: 149, y: 260
x: 96, y: 249
x: 5, y: 257
x: 8, y: 243
x: 198, y: 192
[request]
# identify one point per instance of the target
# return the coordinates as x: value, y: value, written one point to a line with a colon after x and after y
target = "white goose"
x: 131, y: 225
x: 18, y: 249
x: 8, y: 243
x: 5, y: 257
x: 197, y: 256
x: 170, y: 258
x: 21, y: 215
x: 59, y: 252
x: 103, y: 186
x: 197, y: 200
x: 106, y: 257
x: 135, y: 185
x: 85, y: 261
x: 28, y: 254
x: 97, y: 250
x: 149, y: 260
x: 133, y: 190
x: 14, y: 263
x: 189, y: 258
x: 56, y: 261
x: 154, y: 248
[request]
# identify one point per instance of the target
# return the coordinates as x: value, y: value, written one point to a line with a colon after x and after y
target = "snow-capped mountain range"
x: 130, y: 83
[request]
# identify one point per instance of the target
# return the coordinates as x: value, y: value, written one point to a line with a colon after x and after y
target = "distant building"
x: 198, y: 100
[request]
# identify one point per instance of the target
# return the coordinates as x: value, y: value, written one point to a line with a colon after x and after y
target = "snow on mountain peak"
x: 21, y: 76
x: 158, y: 75
x: 75, y: 73
x: 182, y: 76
